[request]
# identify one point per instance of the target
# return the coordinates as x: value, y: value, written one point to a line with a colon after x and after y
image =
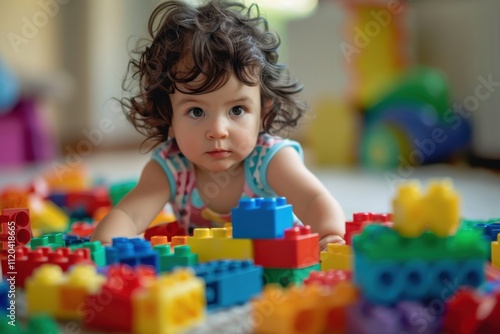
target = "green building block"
x: 97, y: 251
x: 286, y: 277
x: 53, y: 240
x: 36, y: 324
x: 118, y: 190
x: 378, y: 242
x: 181, y: 257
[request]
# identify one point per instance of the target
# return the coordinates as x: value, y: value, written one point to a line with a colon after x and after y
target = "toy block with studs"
x: 306, y: 309
x: 40, y: 323
x: 299, y: 248
x: 337, y: 257
x: 97, y: 251
x: 52, y: 292
x: 169, y: 230
x: 366, y: 318
x: 328, y: 278
x: 361, y: 219
x: 288, y: 276
x: 495, y: 253
x: 173, y: 303
x: 14, y: 227
x: 181, y: 257
x: 26, y: 260
x: 229, y: 283
x: 261, y: 218
x: 134, y: 251
x: 53, y: 240
x: 110, y: 309
x: 216, y: 244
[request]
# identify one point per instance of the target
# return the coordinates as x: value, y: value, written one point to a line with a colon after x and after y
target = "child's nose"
x: 217, y: 129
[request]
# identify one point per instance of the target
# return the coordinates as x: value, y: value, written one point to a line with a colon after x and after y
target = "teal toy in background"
x: 414, y: 124
x: 9, y: 88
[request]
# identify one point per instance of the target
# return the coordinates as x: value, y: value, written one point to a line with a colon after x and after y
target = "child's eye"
x: 237, y: 111
x: 196, y: 113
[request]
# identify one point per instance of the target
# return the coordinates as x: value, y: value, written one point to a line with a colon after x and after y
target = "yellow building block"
x: 52, y: 292
x: 42, y: 289
x: 47, y: 216
x: 408, y: 214
x: 495, y: 253
x: 172, y: 304
x: 303, y: 309
x: 441, y: 207
x: 80, y: 282
x: 339, y: 257
x: 217, y: 244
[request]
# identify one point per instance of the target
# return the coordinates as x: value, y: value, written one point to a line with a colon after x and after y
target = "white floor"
x: 355, y: 189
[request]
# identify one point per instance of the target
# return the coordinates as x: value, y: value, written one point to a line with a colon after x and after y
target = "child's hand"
x: 330, y: 239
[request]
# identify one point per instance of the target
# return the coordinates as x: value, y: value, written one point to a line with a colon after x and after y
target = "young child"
x: 211, y: 93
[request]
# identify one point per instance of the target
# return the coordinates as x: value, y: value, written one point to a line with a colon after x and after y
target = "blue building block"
x: 4, y: 293
x: 59, y: 199
x: 71, y: 240
x: 388, y: 281
x: 229, y: 283
x: 261, y: 218
x: 133, y: 252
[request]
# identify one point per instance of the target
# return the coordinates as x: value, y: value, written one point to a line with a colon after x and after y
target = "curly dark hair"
x: 218, y: 39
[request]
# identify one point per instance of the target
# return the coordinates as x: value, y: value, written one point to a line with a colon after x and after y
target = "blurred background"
x: 389, y: 83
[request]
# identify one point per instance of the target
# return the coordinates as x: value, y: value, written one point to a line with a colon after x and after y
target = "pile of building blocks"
x: 397, y: 272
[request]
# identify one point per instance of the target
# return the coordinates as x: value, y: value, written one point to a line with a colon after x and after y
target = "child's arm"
x: 312, y: 203
x: 133, y: 214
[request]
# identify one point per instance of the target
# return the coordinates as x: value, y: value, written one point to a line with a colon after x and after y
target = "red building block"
x: 91, y: 200
x: 82, y: 229
x: 111, y: 308
x: 328, y: 278
x: 360, y: 219
x: 26, y: 260
x: 461, y: 313
x: 299, y: 248
x: 22, y: 230
x: 169, y: 230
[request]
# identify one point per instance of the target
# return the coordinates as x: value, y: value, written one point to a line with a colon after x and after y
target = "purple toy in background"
x: 24, y: 137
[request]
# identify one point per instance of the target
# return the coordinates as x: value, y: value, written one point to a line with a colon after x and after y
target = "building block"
x: 88, y: 199
x: 82, y: 229
x: 405, y: 317
x: 17, y: 221
x: 181, y: 257
x: 229, y: 283
x: 386, y: 282
x: 337, y: 257
x: 328, y: 278
x: 307, y: 309
x: 291, y: 276
x: 298, y: 248
x: 159, y: 240
x: 361, y: 219
x: 13, y: 197
x: 215, y: 244
x: 97, y: 251
x: 173, y: 303
x: 495, y: 253
x: 118, y: 190
x: 27, y: 260
x: 40, y: 323
x: 381, y: 242
x: 437, y: 210
x: 110, y: 309
x: 4, y: 296
x: 71, y: 240
x: 47, y: 217
x: 261, y: 218
x: 67, y: 293
x: 53, y: 240
x: 134, y: 251
x: 169, y: 230
x: 179, y: 240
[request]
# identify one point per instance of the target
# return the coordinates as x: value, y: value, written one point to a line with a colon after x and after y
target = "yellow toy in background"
x: 438, y: 210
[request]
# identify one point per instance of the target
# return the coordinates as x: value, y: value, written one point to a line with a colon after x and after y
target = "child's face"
x: 218, y: 130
